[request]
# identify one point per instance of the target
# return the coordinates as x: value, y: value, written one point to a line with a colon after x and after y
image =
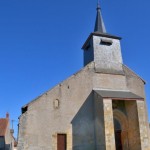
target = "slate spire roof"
x: 99, y: 24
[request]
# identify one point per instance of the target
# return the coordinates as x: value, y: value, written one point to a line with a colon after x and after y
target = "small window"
x: 61, y: 142
x: 56, y: 103
x: 106, y: 42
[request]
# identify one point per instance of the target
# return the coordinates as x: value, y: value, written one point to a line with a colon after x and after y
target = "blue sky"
x: 41, y: 40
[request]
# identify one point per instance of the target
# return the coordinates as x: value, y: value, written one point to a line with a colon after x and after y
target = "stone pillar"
x: 143, y: 126
x: 109, y: 125
x: 69, y: 138
x: 133, y: 125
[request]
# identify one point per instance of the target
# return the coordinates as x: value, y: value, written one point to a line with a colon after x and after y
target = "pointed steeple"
x: 99, y: 24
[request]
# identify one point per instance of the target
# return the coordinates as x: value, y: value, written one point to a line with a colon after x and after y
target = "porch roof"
x: 118, y: 95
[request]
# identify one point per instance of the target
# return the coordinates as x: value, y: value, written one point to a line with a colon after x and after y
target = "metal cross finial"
x: 98, y: 4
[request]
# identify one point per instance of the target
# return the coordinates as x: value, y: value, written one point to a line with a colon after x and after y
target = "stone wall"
x: 42, y: 122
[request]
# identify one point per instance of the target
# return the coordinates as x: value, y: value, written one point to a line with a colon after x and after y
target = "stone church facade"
x: 101, y: 107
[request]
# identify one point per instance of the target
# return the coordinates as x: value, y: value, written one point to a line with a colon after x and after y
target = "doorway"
x: 120, y: 130
x: 118, y: 133
x: 61, y: 142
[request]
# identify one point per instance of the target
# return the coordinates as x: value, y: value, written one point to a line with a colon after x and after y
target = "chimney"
x: 7, y: 115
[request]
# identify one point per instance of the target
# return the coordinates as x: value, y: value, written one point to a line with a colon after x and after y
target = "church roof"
x: 3, y: 126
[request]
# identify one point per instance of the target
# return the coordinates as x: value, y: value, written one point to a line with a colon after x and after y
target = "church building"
x: 101, y: 107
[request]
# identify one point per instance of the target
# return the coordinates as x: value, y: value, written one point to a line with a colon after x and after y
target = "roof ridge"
x: 134, y: 73
x: 89, y: 65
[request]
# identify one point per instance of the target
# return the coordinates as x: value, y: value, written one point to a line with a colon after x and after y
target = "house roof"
x: 3, y: 126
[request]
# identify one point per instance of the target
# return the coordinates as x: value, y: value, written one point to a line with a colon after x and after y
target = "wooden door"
x: 61, y: 142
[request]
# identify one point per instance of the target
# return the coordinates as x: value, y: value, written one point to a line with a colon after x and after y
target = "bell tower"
x: 103, y: 48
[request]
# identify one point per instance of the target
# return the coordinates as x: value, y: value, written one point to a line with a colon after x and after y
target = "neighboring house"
x: 6, y: 135
x: 101, y: 107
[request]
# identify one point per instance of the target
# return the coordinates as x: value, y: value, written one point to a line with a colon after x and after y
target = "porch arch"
x: 122, y: 119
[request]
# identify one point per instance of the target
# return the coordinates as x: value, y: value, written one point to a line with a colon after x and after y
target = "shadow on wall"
x: 83, y: 126
x: 88, y: 125
x: 6, y: 147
